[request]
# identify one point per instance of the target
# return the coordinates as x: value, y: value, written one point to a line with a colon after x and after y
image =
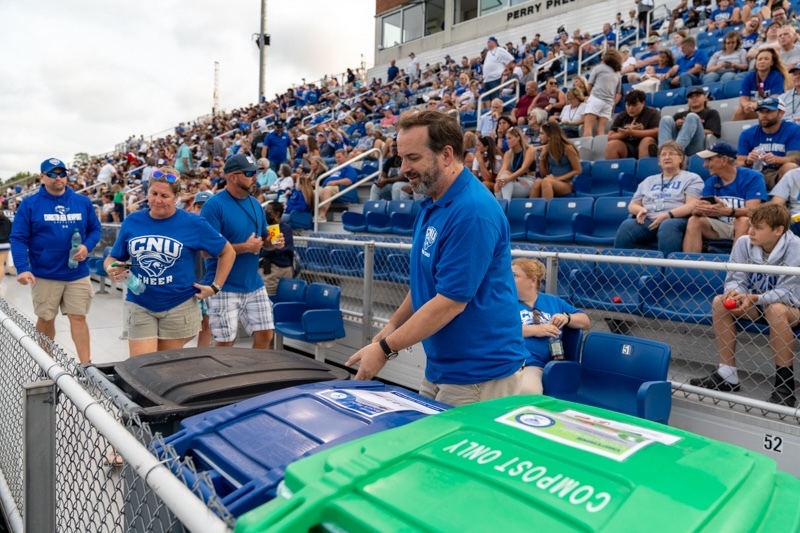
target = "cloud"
x: 97, y: 72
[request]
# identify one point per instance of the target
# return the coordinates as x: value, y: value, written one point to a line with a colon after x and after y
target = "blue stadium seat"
x: 314, y: 258
x: 683, y: 294
x: 316, y: 319
x: 518, y: 211
x: 605, y: 178
x: 469, y: 119
x: 732, y: 89
x: 565, y: 266
x: 645, y: 167
x: 715, y: 90
x: 403, y: 223
x: 381, y: 222
x: 357, y: 222
x: 368, y: 167
x: 347, y: 261
x: 290, y: 290
x: 597, y: 288
x: 556, y: 225
x: 95, y: 265
x: 601, y: 227
x: 503, y: 204
x: 617, y: 372
x: 675, y: 96
x: 298, y: 220
x: 696, y: 165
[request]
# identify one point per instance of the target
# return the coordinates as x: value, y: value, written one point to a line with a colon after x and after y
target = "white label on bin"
x: 603, y: 437
x: 372, y: 403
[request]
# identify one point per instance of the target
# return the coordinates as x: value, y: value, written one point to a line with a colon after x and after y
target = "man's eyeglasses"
x: 54, y: 175
x: 248, y: 173
x: 169, y: 178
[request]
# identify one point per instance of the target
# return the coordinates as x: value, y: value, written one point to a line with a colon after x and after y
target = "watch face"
x: 391, y: 355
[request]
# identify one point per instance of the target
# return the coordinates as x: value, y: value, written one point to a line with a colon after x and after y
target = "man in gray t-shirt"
x: 787, y: 192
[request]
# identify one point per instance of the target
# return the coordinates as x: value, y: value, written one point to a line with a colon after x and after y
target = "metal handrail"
x: 512, y: 81
x: 125, y: 201
x: 364, y: 155
x: 581, y: 59
x: 649, y: 19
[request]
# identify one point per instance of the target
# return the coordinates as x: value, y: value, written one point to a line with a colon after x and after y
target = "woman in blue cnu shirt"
x: 161, y: 243
x: 543, y: 317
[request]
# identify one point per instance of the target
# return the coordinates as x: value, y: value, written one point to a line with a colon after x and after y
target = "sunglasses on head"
x: 169, y: 178
x: 53, y: 174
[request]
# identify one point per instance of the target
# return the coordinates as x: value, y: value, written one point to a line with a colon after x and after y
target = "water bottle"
x: 758, y: 164
x: 556, y: 348
x: 76, y: 241
x: 133, y: 283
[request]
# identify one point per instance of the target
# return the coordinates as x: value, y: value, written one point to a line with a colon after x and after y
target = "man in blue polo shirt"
x: 462, y: 304
x: 689, y: 68
x: 277, y: 147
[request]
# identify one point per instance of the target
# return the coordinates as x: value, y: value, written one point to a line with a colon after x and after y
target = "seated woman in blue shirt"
x: 559, y: 163
x: 543, y: 317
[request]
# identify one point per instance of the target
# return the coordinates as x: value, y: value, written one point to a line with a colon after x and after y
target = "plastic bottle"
x: 556, y: 348
x: 758, y: 164
x: 76, y: 241
x: 133, y: 283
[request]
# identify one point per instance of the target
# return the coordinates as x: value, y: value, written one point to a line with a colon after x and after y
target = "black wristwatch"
x: 216, y: 288
x: 388, y: 352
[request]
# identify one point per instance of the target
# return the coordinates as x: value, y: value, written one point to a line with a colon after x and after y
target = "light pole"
x: 262, y: 41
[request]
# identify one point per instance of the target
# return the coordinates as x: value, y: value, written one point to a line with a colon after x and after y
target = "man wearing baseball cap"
x: 48, y: 260
x: 689, y: 128
x: 771, y: 147
x: 240, y: 219
x: 728, y: 196
x: 495, y: 62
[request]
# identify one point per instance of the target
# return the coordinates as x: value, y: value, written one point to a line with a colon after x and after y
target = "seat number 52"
x: 773, y: 443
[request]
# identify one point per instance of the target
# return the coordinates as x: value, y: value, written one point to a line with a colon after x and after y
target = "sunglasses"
x: 54, y: 175
x: 248, y: 173
x: 169, y: 178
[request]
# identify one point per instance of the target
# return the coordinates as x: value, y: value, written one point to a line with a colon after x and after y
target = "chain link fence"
x: 631, y: 292
x: 95, y: 488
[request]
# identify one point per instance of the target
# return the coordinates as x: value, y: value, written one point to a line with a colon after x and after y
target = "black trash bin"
x: 165, y: 387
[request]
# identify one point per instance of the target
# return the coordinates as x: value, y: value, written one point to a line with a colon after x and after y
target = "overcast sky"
x: 83, y: 75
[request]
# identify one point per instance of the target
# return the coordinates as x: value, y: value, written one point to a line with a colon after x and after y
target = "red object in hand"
x: 730, y: 303
x: 616, y: 300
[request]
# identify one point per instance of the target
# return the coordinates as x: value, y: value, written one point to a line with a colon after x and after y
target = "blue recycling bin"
x: 246, y: 447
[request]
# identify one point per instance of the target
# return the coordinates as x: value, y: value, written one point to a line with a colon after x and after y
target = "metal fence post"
x: 369, y: 268
x: 39, y: 456
x: 551, y: 275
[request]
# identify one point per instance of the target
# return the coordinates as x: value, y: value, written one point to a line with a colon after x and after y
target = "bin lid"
x: 246, y: 446
x: 506, y: 464
x: 215, y: 375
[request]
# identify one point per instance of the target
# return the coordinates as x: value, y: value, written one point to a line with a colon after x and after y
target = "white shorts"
x: 226, y: 309
x: 596, y: 106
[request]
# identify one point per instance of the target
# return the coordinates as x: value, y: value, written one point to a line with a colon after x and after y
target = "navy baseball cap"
x: 773, y: 103
x: 719, y: 148
x: 243, y: 162
x: 48, y: 165
x: 492, y: 39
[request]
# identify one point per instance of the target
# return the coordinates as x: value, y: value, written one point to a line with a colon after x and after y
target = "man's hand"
x: 25, y: 278
x: 679, y: 123
x: 372, y: 360
x: 381, y: 182
x: 253, y: 244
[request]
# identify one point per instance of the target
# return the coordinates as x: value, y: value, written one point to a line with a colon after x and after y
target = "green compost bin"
x: 532, y: 463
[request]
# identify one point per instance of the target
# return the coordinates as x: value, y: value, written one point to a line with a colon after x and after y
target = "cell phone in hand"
x: 709, y: 199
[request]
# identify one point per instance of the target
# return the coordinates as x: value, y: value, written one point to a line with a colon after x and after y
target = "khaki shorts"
x: 532, y: 380
x: 333, y: 189
x: 276, y: 274
x: 723, y: 229
x: 74, y: 297
x: 463, y: 394
x: 180, y: 322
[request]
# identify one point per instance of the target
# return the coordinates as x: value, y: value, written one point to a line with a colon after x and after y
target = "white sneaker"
x: 322, y: 220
